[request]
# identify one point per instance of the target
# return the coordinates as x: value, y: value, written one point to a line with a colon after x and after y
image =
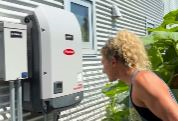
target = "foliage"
x: 111, y: 89
x: 162, y: 48
x: 170, y: 19
x: 117, y: 109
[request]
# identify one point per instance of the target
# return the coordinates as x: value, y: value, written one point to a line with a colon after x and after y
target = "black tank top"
x: 145, y: 113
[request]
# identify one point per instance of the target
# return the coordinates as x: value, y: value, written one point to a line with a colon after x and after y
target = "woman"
x: 124, y: 57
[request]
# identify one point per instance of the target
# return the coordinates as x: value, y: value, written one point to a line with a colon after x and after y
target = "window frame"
x: 88, y: 47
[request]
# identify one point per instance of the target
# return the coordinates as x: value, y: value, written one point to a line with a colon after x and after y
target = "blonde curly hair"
x: 127, y: 48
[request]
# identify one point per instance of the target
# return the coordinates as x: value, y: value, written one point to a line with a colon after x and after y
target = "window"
x: 84, y: 12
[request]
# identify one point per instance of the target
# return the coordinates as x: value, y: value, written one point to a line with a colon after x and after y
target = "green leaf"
x: 170, y: 18
x: 123, y: 98
x: 154, y: 56
x: 162, y: 35
x: 118, y: 116
x: 170, y: 54
x: 147, y: 40
x: 165, y: 71
x: 111, y: 89
x: 171, y: 15
x: 176, y: 46
x: 117, y: 109
x: 163, y: 53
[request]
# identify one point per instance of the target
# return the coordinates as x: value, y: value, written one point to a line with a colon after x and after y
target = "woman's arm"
x: 155, y: 95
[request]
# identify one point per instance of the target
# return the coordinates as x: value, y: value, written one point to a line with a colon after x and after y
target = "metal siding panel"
x: 92, y: 108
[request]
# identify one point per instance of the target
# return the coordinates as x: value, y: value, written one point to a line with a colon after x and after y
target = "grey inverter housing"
x: 54, y: 60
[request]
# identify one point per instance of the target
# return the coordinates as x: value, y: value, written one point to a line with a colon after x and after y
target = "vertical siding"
x: 134, y: 12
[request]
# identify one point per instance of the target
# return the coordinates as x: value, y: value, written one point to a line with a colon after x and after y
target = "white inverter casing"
x: 56, y: 58
x: 13, y: 51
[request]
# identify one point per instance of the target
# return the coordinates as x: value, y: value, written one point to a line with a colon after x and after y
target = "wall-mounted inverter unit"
x: 55, y: 58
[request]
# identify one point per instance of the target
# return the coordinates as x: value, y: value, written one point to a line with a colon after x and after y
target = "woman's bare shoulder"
x: 147, y: 87
x: 147, y: 77
x: 155, y: 95
x: 144, y: 77
x: 148, y: 82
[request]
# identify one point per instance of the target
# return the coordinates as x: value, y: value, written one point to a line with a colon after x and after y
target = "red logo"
x: 78, y: 86
x: 69, y: 51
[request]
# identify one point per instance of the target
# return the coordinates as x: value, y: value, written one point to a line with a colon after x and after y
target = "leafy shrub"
x: 162, y: 48
x: 117, y: 109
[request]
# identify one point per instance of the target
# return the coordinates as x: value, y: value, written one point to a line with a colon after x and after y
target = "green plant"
x: 169, y: 19
x: 117, y: 109
x: 162, y: 48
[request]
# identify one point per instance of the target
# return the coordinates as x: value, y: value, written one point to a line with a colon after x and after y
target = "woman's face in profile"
x: 109, y: 68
